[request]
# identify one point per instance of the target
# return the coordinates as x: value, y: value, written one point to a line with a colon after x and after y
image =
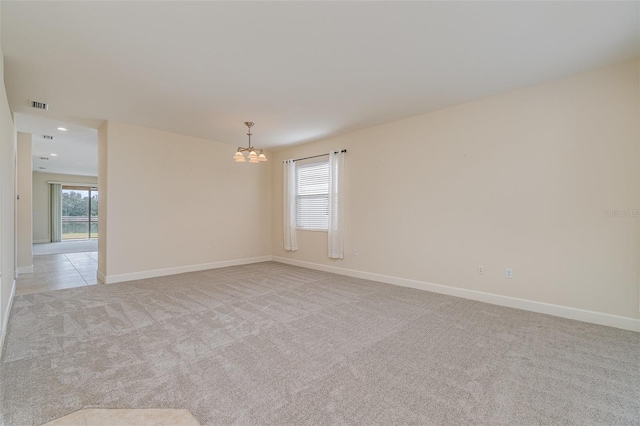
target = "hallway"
x: 59, y: 271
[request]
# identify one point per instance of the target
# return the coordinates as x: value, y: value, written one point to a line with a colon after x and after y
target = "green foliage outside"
x: 77, y: 203
x: 75, y: 209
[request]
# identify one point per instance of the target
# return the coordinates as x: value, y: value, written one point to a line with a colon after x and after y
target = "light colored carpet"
x: 64, y: 247
x: 275, y: 344
x: 127, y: 417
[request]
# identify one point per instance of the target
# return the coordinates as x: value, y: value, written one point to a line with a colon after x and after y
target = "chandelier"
x: 253, y: 156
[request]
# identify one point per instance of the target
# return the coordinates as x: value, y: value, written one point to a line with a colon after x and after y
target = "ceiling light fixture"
x: 253, y: 156
x: 53, y: 155
x: 62, y: 128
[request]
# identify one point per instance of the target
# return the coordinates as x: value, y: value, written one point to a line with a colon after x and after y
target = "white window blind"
x: 312, y: 196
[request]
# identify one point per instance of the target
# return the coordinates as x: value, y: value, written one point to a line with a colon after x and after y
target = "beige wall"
x: 170, y: 196
x: 42, y: 203
x: 520, y: 180
x: 103, y: 226
x: 24, y: 219
x: 7, y: 200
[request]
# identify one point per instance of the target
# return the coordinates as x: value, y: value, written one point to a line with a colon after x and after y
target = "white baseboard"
x: 111, y: 279
x: 25, y: 269
x: 5, y: 320
x: 41, y: 241
x: 101, y: 277
x: 512, y: 302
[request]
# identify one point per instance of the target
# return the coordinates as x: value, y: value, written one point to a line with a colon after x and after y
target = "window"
x: 312, y: 196
x: 79, y: 212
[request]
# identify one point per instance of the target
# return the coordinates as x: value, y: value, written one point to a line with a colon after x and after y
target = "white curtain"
x: 56, y: 212
x: 336, y: 205
x: 289, y: 205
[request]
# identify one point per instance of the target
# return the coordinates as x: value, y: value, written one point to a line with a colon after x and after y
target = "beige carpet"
x: 126, y: 417
x: 271, y: 344
x: 63, y: 247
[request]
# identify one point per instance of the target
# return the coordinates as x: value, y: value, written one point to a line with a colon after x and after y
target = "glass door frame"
x: 90, y: 219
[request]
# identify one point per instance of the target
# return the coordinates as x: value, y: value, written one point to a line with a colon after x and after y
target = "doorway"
x: 61, y: 255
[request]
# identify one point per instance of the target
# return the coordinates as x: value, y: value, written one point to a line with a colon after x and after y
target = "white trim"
x: 5, y: 320
x: 496, y: 299
x: 25, y: 269
x: 110, y: 279
x: 41, y: 241
x: 101, y: 277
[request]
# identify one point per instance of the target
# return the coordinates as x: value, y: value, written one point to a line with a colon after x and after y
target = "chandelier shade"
x: 252, y: 155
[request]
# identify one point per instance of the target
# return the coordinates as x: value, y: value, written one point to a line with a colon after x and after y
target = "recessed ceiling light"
x: 62, y: 128
x: 53, y: 155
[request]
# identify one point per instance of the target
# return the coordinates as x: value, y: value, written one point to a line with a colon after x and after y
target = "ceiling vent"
x: 42, y: 168
x: 43, y: 158
x: 48, y: 137
x: 39, y: 105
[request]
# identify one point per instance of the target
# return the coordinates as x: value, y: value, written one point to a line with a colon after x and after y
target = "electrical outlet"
x: 508, y: 273
x: 208, y: 249
x: 355, y: 252
x: 480, y: 269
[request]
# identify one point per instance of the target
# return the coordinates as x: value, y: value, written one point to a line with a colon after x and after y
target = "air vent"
x: 43, y: 158
x: 48, y: 137
x: 42, y: 168
x: 39, y: 105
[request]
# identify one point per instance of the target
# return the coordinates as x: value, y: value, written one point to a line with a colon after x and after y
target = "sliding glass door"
x: 79, y: 212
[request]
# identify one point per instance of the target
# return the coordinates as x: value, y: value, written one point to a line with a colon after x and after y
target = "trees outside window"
x: 76, y: 221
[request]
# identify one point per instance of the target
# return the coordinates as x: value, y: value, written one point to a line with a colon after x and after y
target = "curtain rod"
x: 315, y: 156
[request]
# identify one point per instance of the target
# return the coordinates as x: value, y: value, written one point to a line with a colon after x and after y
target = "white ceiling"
x: 300, y: 70
x: 76, y: 149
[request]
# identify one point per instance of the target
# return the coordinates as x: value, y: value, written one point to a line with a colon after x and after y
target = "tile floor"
x: 58, y: 271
